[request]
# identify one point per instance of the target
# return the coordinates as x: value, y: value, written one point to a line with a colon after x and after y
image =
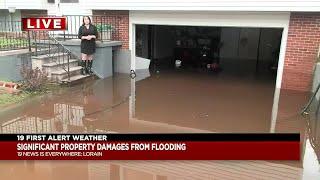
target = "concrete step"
x: 45, y: 50
x: 67, y: 34
x: 43, y: 42
x: 53, y: 55
x: 38, y: 61
x: 76, y: 78
x: 57, y: 76
x: 55, y: 66
x: 61, y: 37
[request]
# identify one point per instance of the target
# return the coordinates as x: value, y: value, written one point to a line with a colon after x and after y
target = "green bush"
x: 4, y: 43
x: 103, y: 27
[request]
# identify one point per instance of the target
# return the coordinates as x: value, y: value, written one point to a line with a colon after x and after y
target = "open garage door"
x: 245, y: 36
x: 242, y: 90
x: 231, y: 51
x: 248, y: 46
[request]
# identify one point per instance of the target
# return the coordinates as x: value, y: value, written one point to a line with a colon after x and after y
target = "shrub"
x: 103, y: 27
x: 33, y: 79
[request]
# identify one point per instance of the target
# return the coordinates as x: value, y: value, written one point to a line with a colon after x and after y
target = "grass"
x: 8, y: 99
x: 7, y: 43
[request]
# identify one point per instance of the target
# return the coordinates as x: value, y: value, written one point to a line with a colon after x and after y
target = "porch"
x: 58, y: 52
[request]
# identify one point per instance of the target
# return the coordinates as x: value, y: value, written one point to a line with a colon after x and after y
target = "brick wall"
x: 302, y: 48
x: 301, y: 52
x: 36, y: 13
x: 119, y: 20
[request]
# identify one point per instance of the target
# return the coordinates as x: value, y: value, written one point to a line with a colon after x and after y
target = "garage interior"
x: 231, y: 51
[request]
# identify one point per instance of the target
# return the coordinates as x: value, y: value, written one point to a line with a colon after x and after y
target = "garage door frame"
x: 216, y: 19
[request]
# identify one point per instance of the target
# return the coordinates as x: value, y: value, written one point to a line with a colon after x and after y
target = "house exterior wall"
x: 33, y: 13
x: 205, y: 5
x: 302, y: 50
x: 300, y: 39
x: 79, y: 8
x: 301, y: 27
x: 55, y: 8
x: 120, y: 17
x: 192, y: 5
x: 23, y: 4
x: 5, y: 15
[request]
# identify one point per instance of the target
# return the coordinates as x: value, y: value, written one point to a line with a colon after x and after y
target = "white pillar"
x: 132, y: 100
x: 275, y: 108
x: 282, y: 54
x: 132, y: 44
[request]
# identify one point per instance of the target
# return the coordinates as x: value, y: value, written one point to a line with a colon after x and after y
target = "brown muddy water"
x: 167, y: 102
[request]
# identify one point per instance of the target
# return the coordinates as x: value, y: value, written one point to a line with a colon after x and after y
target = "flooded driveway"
x: 166, y: 102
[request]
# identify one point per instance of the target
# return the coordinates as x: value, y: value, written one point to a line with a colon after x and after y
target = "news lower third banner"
x: 210, y: 146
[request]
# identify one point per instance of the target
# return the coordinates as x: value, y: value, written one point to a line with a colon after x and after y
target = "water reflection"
x: 167, y: 103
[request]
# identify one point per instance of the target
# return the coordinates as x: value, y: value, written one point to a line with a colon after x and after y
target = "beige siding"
x: 220, y: 5
x: 21, y: 4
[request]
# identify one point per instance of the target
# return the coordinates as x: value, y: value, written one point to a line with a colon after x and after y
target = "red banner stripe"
x: 221, y: 150
x: 44, y: 23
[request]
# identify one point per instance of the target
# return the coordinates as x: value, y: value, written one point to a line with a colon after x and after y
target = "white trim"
x: 132, y: 99
x: 206, y: 18
x: 275, y: 107
x: 132, y: 44
x: 282, y: 54
x: 207, y: 5
x: 180, y: 5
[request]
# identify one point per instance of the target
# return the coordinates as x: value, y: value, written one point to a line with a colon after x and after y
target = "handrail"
x: 54, y: 48
x: 305, y: 110
x: 67, y: 51
x: 56, y: 41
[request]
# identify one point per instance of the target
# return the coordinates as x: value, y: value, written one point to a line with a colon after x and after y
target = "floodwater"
x: 167, y: 102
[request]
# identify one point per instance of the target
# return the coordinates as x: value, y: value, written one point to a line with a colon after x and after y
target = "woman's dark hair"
x: 88, y: 18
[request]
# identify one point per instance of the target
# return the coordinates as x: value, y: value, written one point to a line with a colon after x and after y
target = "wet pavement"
x: 174, y: 102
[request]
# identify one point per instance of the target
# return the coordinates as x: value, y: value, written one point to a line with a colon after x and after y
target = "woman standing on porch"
x: 88, y: 34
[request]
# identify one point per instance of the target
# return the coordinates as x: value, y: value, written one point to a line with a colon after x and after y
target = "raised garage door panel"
x: 200, y: 18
